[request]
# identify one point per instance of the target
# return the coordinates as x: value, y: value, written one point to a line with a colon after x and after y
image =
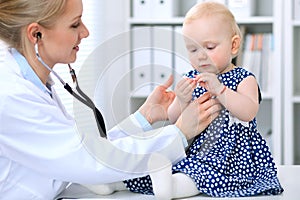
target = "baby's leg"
x: 160, y: 171
x: 106, y: 189
x: 167, y: 186
x: 183, y: 186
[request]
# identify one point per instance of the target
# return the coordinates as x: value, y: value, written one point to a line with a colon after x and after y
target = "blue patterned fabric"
x: 229, y: 158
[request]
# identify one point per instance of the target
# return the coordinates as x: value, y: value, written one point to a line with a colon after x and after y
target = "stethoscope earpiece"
x: 39, y: 35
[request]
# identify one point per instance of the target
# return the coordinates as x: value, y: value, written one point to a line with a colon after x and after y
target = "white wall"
x: 106, y: 20
x: 112, y: 88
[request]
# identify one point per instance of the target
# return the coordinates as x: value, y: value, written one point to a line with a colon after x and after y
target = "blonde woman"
x: 41, y: 151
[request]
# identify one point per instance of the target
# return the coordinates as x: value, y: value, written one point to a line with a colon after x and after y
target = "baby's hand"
x: 185, y: 88
x: 210, y: 82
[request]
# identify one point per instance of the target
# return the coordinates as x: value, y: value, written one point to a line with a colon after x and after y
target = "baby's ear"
x: 235, y: 44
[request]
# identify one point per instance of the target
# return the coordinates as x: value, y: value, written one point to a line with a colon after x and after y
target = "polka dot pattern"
x: 226, y: 159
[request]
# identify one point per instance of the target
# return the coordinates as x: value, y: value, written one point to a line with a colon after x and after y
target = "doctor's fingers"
x: 169, y: 82
x: 207, y: 103
x: 194, y: 119
x: 189, y: 121
x: 208, y: 108
x: 211, y: 113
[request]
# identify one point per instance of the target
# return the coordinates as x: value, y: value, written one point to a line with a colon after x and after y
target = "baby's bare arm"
x: 242, y: 103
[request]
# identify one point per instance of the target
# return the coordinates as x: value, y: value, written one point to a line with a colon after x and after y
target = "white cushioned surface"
x: 289, y: 177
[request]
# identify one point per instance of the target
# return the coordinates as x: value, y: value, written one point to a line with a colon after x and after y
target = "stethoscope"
x: 81, y: 96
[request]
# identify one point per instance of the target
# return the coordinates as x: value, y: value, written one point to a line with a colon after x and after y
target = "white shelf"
x: 296, y: 23
x: 255, y: 20
x: 296, y: 99
x: 170, y: 21
x: 266, y: 96
x: 179, y: 21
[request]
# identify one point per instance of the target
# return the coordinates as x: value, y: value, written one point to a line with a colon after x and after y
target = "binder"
x: 219, y: 1
x: 155, y: 9
x: 142, y: 8
x: 296, y: 9
x: 181, y: 61
x: 165, y: 8
x: 141, y: 65
x: 162, y: 54
x: 258, y: 58
x: 242, y: 8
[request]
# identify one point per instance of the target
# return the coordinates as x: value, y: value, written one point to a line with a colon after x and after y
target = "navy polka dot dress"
x: 229, y: 158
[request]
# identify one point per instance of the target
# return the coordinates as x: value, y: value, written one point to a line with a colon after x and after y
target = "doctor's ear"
x: 33, y: 32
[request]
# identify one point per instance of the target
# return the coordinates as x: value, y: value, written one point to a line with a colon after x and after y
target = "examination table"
x: 289, y: 176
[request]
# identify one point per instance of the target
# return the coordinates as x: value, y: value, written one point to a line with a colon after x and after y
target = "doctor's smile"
x: 76, y: 48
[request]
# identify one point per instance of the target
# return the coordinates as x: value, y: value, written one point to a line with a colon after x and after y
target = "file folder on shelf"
x: 296, y: 9
x: 141, y: 69
x: 241, y: 8
x: 162, y: 54
x: 155, y: 9
x: 182, y: 64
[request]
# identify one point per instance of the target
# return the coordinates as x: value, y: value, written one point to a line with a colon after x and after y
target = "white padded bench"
x: 289, y: 177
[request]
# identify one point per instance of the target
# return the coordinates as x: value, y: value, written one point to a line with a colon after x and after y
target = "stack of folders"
x: 155, y: 9
x: 241, y: 8
x: 257, y: 57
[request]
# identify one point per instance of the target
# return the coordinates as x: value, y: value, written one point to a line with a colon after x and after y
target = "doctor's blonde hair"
x: 16, y: 15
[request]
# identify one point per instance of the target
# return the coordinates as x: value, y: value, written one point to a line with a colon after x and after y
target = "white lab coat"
x: 41, y: 150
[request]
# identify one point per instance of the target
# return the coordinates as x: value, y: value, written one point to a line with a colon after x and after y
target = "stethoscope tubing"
x: 81, y: 96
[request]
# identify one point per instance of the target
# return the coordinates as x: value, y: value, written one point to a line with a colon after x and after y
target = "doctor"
x: 41, y: 150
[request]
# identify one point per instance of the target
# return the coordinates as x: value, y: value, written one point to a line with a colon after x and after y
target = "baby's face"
x: 209, y: 44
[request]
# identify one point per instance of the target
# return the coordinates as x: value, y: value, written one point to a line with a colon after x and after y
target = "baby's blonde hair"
x: 211, y: 8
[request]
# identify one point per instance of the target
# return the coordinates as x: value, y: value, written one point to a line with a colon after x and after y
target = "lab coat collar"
x: 29, y: 74
x: 10, y: 64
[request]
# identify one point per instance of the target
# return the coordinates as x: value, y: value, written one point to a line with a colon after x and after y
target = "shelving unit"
x: 291, y: 85
x: 267, y: 19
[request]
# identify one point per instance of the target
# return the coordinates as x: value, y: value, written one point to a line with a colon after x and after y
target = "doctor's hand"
x: 156, y: 105
x: 198, y: 115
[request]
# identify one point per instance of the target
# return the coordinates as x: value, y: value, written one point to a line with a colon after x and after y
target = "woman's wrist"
x: 146, y: 112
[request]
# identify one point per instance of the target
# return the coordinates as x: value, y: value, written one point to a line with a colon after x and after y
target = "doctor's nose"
x: 84, y: 32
